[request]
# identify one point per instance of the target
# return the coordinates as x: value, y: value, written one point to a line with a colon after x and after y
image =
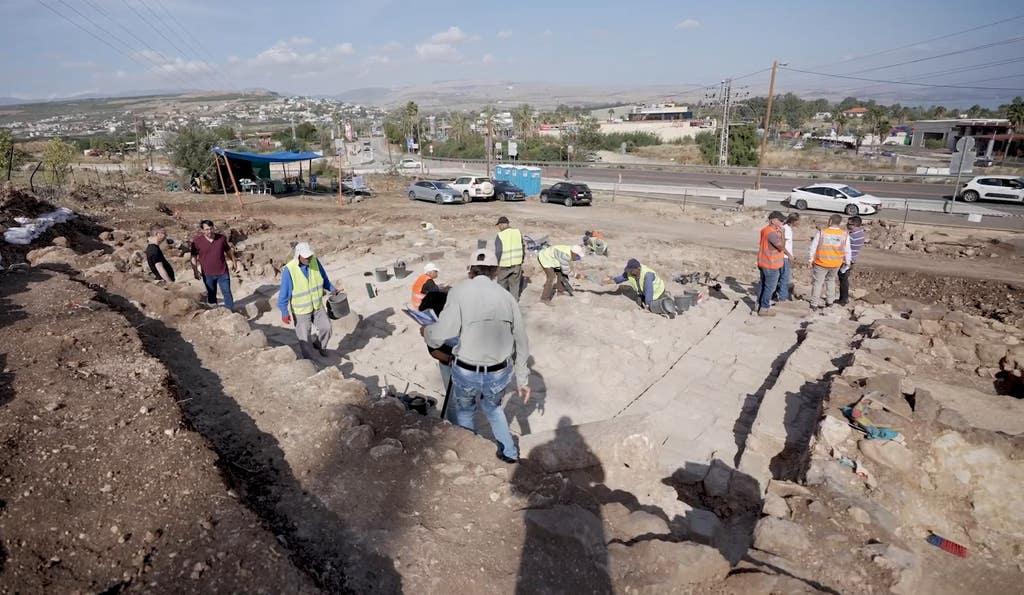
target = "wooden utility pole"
x: 767, y: 123
x: 490, y: 141
x: 137, y: 154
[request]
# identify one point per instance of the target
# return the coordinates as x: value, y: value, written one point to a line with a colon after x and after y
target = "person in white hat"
x: 425, y: 283
x: 492, y: 349
x: 304, y: 284
x: 557, y: 264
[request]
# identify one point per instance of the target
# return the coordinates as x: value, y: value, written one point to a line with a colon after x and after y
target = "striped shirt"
x: 857, y: 237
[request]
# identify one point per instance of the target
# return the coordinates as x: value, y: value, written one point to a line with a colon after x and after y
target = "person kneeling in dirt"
x: 304, y: 284
x: 492, y: 344
x: 158, y: 265
x: 649, y: 288
x: 594, y: 242
x: 557, y: 264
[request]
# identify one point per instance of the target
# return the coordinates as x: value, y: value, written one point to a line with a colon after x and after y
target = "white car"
x: 994, y: 188
x: 834, y: 197
x: 408, y: 163
x: 473, y: 187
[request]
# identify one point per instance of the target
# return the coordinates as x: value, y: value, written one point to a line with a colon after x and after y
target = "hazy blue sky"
x: 324, y: 47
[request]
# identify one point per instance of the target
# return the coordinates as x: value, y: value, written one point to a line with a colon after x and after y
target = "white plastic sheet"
x: 30, y: 229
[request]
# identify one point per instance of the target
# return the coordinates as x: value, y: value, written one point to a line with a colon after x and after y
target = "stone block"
x: 888, y: 453
x: 775, y: 506
x: 929, y: 312
x: 888, y: 349
x: 833, y: 431
x: 781, y: 537
x: 663, y: 566
x: 990, y: 354
x: 900, y: 324
x: 359, y: 437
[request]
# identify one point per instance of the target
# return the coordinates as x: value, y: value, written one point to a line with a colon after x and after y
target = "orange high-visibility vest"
x: 831, y: 250
x: 417, y: 290
x: 768, y: 256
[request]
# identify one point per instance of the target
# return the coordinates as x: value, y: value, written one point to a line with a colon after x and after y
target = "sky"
x: 328, y: 47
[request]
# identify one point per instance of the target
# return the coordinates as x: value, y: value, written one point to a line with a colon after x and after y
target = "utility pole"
x: 767, y: 123
x: 490, y: 141
x: 137, y: 147
x: 723, y: 141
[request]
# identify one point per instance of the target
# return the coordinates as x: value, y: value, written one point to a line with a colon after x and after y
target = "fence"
x: 34, y: 176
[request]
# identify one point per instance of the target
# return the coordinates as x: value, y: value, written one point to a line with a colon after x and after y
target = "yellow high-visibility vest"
x: 511, y: 247
x: 638, y: 283
x: 548, y: 258
x: 307, y: 293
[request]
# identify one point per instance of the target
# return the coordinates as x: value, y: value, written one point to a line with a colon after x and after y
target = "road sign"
x: 965, y: 144
x: 431, y: 149
x: 513, y: 149
x: 961, y: 162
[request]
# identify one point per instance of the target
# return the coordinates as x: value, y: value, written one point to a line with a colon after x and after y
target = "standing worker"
x: 424, y: 284
x: 830, y: 250
x: 304, y: 284
x: 557, y: 264
x: 784, y: 292
x: 492, y: 344
x: 770, y: 260
x: 649, y: 288
x: 158, y: 265
x: 211, y: 251
x: 510, y: 249
x: 857, y: 237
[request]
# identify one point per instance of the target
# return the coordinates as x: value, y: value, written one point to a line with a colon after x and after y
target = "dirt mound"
x: 1001, y: 301
x: 18, y: 203
x: 103, y: 488
x: 80, y: 234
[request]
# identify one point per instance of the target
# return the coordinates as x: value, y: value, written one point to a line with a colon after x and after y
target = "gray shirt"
x: 486, y: 319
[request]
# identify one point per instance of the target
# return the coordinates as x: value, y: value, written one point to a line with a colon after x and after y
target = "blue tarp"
x: 279, y: 157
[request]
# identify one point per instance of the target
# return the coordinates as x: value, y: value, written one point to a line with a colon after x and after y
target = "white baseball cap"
x: 303, y: 250
x: 431, y: 268
x: 578, y: 250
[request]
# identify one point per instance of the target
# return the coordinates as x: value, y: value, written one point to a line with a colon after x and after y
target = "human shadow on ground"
x: 520, y: 412
x: 11, y: 284
x: 254, y: 464
x: 261, y: 293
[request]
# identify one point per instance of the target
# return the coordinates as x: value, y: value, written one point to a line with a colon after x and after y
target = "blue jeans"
x: 224, y: 282
x: 769, y: 281
x: 785, y: 278
x: 485, y: 388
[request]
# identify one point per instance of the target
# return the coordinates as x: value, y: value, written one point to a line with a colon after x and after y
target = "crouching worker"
x: 649, y: 288
x: 304, y: 284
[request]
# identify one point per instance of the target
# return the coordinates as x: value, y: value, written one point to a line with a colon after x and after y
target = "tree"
x: 6, y: 148
x: 57, y: 156
x: 224, y: 132
x: 295, y: 145
x: 306, y: 132
x: 793, y: 110
x: 743, y: 145
x: 875, y: 116
x: 522, y: 119
x: 190, y: 149
x: 884, y: 127
x: 938, y: 111
x: 1014, y: 113
x: 840, y: 121
x: 411, y: 119
x: 458, y: 124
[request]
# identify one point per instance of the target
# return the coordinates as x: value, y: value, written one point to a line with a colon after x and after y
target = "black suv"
x: 504, y: 190
x: 569, y: 194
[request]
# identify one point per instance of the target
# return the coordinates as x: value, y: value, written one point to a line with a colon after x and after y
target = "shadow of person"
x: 565, y: 549
x: 374, y: 326
x: 520, y: 412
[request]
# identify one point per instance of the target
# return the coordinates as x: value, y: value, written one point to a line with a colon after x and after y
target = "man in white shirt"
x: 783, y: 293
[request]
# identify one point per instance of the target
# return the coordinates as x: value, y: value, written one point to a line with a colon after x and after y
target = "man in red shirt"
x: 211, y: 252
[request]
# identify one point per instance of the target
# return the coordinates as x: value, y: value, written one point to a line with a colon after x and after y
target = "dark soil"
x: 1000, y: 301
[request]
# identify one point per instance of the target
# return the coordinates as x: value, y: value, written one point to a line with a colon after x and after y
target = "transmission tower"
x: 723, y: 141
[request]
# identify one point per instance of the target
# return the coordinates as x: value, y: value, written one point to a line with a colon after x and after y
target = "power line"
x: 105, y: 42
x: 916, y: 43
x: 207, y: 54
x: 957, y: 70
x: 937, y: 56
x: 129, y: 32
x: 857, y: 78
x: 157, y: 30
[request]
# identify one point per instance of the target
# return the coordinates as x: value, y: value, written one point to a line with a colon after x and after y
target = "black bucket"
x: 683, y: 303
x: 400, y: 271
x: 481, y: 244
x: 337, y: 306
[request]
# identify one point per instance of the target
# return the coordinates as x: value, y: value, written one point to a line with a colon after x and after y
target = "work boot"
x: 765, y: 313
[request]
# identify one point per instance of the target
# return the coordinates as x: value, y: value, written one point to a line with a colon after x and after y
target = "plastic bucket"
x: 337, y: 305
x: 381, y: 274
x: 481, y: 244
x: 683, y: 302
x: 400, y: 271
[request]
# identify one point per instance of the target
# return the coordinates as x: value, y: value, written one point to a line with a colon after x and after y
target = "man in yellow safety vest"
x: 509, y: 249
x: 830, y: 250
x: 557, y: 264
x: 304, y: 284
x: 648, y: 286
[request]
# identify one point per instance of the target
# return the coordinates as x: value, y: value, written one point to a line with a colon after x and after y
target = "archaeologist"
x: 211, y: 252
x: 510, y: 249
x: 304, y: 284
x: 158, y: 265
x: 492, y: 348
x: 649, y: 288
x: 783, y: 293
x: 857, y: 236
x: 557, y: 264
x: 770, y: 260
x: 830, y: 250
x: 594, y: 242
x: 424, y: 284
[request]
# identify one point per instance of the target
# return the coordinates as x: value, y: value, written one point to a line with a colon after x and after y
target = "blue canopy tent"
x: 256, y: 166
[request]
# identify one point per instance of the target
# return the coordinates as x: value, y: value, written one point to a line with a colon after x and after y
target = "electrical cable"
x: 857, y: 78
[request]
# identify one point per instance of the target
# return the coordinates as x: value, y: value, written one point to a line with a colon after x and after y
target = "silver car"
x: 438, y: 192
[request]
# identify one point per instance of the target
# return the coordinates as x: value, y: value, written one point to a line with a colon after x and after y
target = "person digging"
x: 649, y: 288
x: 304, y: 284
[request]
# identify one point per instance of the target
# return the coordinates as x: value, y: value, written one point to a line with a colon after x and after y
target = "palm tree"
x: 523, y: 119
x: 840, y: 121
x: 1014, y: 113
x: 875, y: 115
x: 938, y: 111
x: 459, y: 124
x: 884, y: 128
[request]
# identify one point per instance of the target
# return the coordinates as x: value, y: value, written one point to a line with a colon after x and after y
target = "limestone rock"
x: 859, y: 515
x: 359, y: 437
x: 888, y: 453
x: 663, y: 566
x: 775, y: 506
x: 787, y: 489
x: 388, y: 447
x: 833, y: 431
x: 990, y: 354
x: 780, y: 537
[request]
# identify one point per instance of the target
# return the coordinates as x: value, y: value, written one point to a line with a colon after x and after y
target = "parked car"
x: 508, y: 191
x: 984, y: 162
x: 834, y: 197
x: 473, y: 187
x: 567, y: 193
x: 408, y: 163
x: 438, y: 192
x: 994, y: 188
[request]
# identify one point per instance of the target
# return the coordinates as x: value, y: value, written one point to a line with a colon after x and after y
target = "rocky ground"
x: 150, y: 438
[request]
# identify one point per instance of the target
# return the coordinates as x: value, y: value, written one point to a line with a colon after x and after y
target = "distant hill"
x: 477, y: 94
